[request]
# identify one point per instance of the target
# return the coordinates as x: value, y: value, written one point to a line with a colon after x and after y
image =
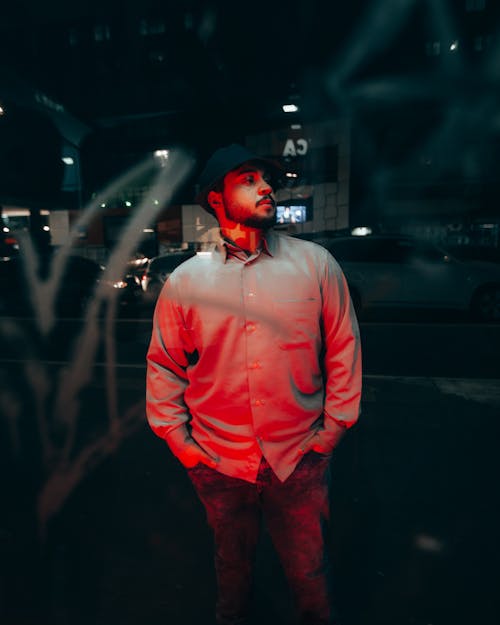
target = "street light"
x: 361, y: 231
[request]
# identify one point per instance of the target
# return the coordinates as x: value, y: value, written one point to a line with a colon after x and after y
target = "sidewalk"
x: 420, y: 503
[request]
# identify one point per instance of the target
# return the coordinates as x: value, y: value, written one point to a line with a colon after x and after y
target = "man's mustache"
x: 266, y: 200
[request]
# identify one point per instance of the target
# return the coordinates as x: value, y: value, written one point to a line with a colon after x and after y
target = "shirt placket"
x: 253, y: 308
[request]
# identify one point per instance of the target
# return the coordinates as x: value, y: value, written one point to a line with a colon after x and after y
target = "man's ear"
x: 214, y: 198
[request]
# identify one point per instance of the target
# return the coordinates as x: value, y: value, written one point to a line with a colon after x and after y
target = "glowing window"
x: 433, y: 48
x: 102, y: 32
x: 149, y: 26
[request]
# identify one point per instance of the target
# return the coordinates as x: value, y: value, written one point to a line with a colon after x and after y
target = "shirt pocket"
x: 298, y: 322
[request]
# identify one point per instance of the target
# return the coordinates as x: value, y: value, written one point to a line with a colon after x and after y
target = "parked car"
x: 80, y: 278
x: 135, y: 270
x: 386, y: 271
x: 76, y: 286
x: 157, y: 271
x: 127, y: 288
x: 475, y: 252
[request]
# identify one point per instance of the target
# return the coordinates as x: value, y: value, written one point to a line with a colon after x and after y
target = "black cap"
x: 223, y: 161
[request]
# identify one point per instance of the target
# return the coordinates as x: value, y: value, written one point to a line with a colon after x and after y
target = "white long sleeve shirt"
x: 252, y: 356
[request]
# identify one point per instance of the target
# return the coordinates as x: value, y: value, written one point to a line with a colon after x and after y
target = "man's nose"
x: 265, y: 187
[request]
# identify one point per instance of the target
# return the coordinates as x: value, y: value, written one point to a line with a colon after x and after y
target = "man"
x: 254, y: 375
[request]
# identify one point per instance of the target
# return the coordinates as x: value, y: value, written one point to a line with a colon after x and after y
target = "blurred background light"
x: 161, y: 156
x: 361, y: 231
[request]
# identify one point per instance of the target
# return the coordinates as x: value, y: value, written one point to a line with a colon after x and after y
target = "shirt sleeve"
x: 342, y: 355
x: 166, y: 378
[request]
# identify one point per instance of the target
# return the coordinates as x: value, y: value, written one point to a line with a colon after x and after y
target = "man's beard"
x: 251, y: 221
x: 263, y: 223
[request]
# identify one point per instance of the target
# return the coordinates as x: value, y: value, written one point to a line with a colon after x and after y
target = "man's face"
x: 247, y: 197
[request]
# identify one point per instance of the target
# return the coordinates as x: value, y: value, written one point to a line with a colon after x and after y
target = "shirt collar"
x: 226, y: 247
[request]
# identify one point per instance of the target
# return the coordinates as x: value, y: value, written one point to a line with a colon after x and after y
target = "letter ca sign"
x: 295, y: 148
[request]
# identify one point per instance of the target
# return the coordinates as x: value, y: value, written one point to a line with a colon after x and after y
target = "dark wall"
x: 31, y: 169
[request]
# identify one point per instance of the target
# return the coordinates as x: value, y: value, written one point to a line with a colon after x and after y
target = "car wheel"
x: 486, y: 303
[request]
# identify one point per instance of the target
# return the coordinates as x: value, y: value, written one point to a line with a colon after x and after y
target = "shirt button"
x: 250, y: 327
x: 255, y: 365
x: 251, y: 294
x: 259, y: 402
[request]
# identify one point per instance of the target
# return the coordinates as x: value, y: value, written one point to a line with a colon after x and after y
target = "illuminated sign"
x: 295, y: 147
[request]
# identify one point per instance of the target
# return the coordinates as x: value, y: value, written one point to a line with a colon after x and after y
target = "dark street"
x: 414, y: 512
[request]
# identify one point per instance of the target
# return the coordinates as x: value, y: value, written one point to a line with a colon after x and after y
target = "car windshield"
x: 168, y: 263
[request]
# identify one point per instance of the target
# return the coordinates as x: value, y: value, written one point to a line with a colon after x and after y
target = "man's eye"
x: 249, y: 179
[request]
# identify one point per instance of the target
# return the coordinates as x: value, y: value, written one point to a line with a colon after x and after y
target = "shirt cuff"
x: 333, y: 430
x: 344, y: 422
x: 177, y: 439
